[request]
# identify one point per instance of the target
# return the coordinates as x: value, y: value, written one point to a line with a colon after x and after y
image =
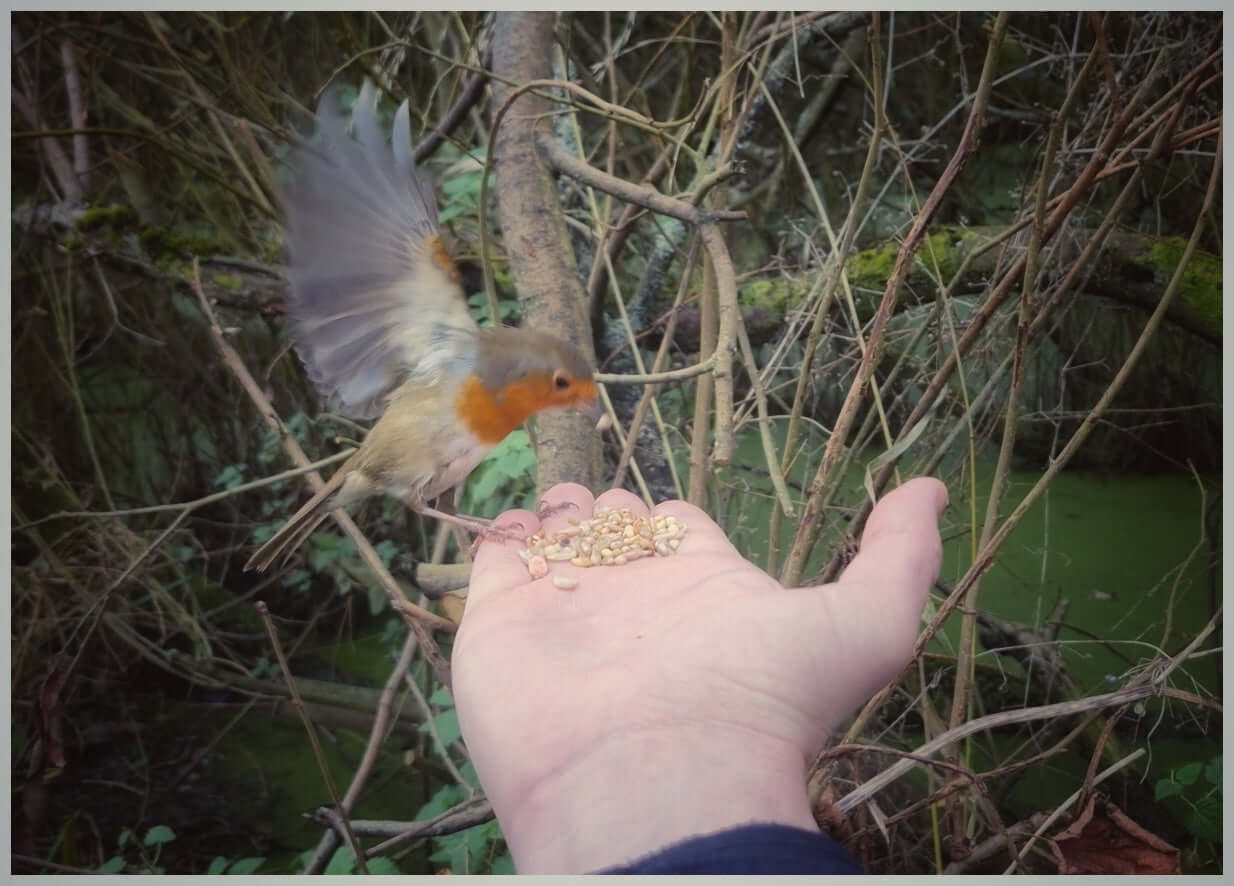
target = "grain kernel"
x: 537, y: 566
x: 565, y: 582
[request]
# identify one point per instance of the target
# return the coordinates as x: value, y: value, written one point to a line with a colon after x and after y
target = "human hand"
x: 673, y: 696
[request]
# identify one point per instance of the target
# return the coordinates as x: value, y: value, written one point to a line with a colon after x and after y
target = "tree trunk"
x: 541, y: 258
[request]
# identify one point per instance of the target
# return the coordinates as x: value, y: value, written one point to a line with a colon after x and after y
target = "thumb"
x: 858, y: 633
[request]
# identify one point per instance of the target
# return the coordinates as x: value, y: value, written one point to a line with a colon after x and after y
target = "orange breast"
x: 491, y: 415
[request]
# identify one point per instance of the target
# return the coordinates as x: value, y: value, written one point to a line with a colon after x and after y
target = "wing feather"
x: 370, y: 303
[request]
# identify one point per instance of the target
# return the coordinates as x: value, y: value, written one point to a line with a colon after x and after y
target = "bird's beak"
x: 597, y: 411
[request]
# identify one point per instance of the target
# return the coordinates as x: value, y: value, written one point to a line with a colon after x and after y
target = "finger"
x: 563, y: 503
x: 497, y: 565
x: 702, y: 534
x: 855, y: 635
x: 900, y: 546
x: 616, y: 499
x: 882, y: 592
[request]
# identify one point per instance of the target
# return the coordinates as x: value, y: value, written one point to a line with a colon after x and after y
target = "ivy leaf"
x: 1212, y: 772
x: 382, y: 865
x: 159, y: 834
x: 246, y: 865
x: 342, y: 862
x: 1167, y: 788
x: 1205, y: 819
x: 1189, y: 772
x: 113, y: 865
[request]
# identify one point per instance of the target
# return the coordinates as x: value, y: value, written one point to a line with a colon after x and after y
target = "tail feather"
x: 301, y: 525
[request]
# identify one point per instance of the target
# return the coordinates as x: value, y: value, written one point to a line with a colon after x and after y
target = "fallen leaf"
x: 1102, y: 840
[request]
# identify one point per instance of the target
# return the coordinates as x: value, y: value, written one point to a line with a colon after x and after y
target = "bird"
x: 379, y: 319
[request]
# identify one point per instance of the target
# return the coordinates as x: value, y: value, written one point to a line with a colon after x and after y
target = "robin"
x: 380, y: 321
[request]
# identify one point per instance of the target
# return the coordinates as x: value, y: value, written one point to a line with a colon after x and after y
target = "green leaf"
x: 441, y: 698
x: 386, y: 551
x: 377, y: 599
x: 298, y: 579
x: 1189, y: 772
x: 502, y: 865
x: 217, y: 866
x: 231, y: 476
x: 446, y: 724
x: 342, y: 862
x: 113, y: 865
x: 1205, y: 820
x: 382, y: 865
x: 446, y: 796
x: 159, y: 834
x: 1212, y: 772
x: 246, y: 865
x: 1166, y: 788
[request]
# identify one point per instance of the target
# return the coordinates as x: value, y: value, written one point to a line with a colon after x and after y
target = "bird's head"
x: 520, y: 372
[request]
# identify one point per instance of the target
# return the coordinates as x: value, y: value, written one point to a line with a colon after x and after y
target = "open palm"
x: 700, y: 654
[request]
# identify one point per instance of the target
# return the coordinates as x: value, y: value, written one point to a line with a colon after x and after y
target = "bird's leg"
x: 481, y: 527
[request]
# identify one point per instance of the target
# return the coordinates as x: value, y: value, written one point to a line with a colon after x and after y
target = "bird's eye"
x: 561, y: 381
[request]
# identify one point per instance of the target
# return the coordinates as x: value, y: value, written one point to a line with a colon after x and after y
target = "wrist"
x: 640, y: 791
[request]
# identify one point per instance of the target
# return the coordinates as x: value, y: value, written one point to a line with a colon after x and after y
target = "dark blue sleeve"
x: 749, y: 849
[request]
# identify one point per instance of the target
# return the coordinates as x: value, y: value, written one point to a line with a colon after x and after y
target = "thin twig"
x: 558, y: 158
x: 318, y: 753
x: 810, y: 526
x: 419, y: 618
x: 197, y: 502
x: 377, y: 735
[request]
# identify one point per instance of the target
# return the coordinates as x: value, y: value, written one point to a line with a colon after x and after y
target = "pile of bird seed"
x: 612, y: 537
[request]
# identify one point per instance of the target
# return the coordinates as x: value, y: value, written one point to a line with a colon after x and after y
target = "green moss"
x: 776, y: 295
x: 163, y: 243
x: 871, y: 267
x: 1200, y: 288
x: 948, y: 246
x: 945, y: 248
x: 109, y: 218
x: 227, y: 281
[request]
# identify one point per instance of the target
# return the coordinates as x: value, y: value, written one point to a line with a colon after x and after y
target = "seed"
x: 674, y: 543
x: 560, y: 555
x: 581, y: 561
x: 565, y: 582
x: 537, y: 566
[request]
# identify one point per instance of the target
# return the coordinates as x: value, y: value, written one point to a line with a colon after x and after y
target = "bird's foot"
x: 544, y: 510
x: 482, y: 529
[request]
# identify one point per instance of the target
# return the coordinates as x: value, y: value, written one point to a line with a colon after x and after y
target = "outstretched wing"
x: 375, y: 299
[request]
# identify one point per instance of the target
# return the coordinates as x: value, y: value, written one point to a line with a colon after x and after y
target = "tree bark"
x: 537, y: 241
